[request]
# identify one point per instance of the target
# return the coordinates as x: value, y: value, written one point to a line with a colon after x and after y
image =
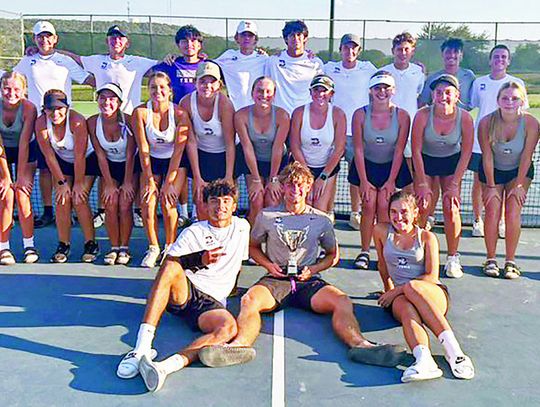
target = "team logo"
x: 379, y: 140
x: 402, y: 262
x: 104, y: 65
x: 160, y: 140
x: 281, y: 63
x: 337, y: 69
x: 507, y: 151
x: 234, y: 58
x: 208, y: 131
x: 114, y: 150
x: 482, y: 86
x: 209, y: 240
x: 32, y: 62
x: 315, y: 141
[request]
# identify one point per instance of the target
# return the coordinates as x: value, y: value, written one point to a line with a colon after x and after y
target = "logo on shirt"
x: 482, y: 86
x: 337, y: 69
x: 403, y: 262
x: 33, y: 62
x: 160, y: 140
x: 507, y: 151
x: 379, y: 140
x: 209, y: 240
x: 104, y: 65
x: 234, y: 58
x: 278, y: 221
x: 114, y: 150
x: 281, y: 63
x: 208, y: 131
x: 315, y: 141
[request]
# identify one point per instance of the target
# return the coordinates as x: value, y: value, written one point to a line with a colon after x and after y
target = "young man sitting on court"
x: 292, y: 233
x: 194, y: 281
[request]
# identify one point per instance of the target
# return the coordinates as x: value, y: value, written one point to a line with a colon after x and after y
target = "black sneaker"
x: 91, y: 251
x: 62, y: 253
x: 43, y: 220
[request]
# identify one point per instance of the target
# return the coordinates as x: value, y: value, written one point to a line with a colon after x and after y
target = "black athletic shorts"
x: 160, y: 166
x: 213, y: 166
x: 281, y: 290
x: 316, y: 171
x: 12, y: 153
x: 440, y: 166
x: 91, y: 169
x: 262, y: 166
x: 475, y: 162
x: 504, y: 177
x: 377, y: 174
x: 197, y: 304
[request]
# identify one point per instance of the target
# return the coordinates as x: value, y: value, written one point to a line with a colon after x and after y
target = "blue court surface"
x: 64, y: 328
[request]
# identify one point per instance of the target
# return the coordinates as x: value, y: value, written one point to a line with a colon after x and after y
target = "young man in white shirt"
x: 409, y: 78
x: 45, y: 70
x: 242, y: 66
x: 351, y: 78
x: 194, y: 281
x: 293, y: 69
x: 484, y: 97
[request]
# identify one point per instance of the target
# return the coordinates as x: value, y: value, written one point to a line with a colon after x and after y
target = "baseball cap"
x: 350, y: 38
x: 43, y: 27
x: 382, y: 79
x: 113, y: 87
x: 247, y: 26
x: 208, y: 69
x: 445, y: 78
x: 322, y: 80
x: 116, y: 30
x: 52, y: 100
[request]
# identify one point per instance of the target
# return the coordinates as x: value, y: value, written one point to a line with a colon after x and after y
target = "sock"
x: 28, y: 241
x: 422, y: 354
x: 184, y: 210
x: 172, y: 364
x: 145, y: 338
x: 48, y: 211
x: 115, y: 248
x: 450, y: 344
x: 4, y: 245
x: 194, y: 211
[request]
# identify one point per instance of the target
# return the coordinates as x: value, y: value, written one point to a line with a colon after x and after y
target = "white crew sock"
x: 4, y: 245
x: 28, y: 242
x: 450, y: 344
x: 184, y: 210
x: 194, y: 212
x: 422, y: 354
x: 172, y: 364
x: 145, y: 338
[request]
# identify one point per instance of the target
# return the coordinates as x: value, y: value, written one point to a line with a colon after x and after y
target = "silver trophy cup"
x: 293, y: 239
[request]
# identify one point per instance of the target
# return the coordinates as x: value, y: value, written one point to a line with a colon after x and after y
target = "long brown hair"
x: 496, y: 124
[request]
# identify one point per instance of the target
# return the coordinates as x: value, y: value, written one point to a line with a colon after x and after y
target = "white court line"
x: 278, y: 361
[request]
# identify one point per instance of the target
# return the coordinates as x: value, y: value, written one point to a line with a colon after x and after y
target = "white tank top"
x: 209, y: 134
x: 115, y: 150
x: 317, y: 145
x: 161, y: 142
x: 65, y: 148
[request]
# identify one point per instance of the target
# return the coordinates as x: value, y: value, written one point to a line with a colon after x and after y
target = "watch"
x: 274, y: 180
x: 323, y: 176
x: 62, y: 181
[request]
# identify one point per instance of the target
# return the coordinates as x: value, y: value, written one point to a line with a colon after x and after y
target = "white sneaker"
x: 152, y: 373
x: 99, y: 220
x: 453, y: 267
x: 128, y: 367
x: 354, y: 220
x: 478, y: 228
x: 150, y: 258
x: 430, y: 222
x: 164, y: 253
x: 137, y: 220
x: 502, y: 228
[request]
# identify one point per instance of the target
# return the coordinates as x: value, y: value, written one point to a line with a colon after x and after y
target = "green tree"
x: 526, y: 57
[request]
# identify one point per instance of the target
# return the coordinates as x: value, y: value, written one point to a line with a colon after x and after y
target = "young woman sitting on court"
x: 442, y: 141
x: 17, y: 119
x: 409, y: 268
x: 161, y: 130
x: 263, y: 129
x: 380, y: 132
x: 112, y: 138
x: 63, y: 139
x: 508, y: 138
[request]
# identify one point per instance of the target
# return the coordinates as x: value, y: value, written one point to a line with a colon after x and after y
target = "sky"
x: 430, y: 10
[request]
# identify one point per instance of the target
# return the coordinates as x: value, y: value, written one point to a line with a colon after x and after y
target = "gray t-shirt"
x: 465, y: 77
x: 312, y: 228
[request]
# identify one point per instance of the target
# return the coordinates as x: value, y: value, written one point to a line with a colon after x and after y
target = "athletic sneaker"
x: 453, y: 267
x: 386, y: 355
x: 123, y: 257
x: 6, y: 258
x: 183, y: 221
x: 152, y: 373
x: 99, y: 219
x: 31, y: 255
x: 502, y: 228
x: 128, y: 367
x: 110, y: 258
x: 150, y: 257
x: 354, y: 220
x: 137, y: 219
x: 478, y: 228
x: 461, y: 366
x: 226, y: 355
x: 43, y: 221
x: 430, y: 222
x: 91, y: 251
x: 62, y: 253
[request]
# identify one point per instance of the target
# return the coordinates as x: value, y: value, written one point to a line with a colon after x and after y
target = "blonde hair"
x: 296, y: 173
x: 495, y: 128
x: 17, y: 76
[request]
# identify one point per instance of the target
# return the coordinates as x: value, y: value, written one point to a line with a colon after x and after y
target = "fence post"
x: 22, y: 35
x: 331, y: 32
x: 496, y: 32
x: 226, y: 33
x: 363, y: 35
x: 151, y: 35
x: 92, y: 34
x: 429, y: 30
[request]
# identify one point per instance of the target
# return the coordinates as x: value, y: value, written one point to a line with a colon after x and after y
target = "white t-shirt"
x: 126, y: 72
x: 55, y: 71
x: 352, y: 86
x: 293, y: 77
x: 484, y: 97
x: 217, y: 279
x: 240, y: 72
x: 409, y: 84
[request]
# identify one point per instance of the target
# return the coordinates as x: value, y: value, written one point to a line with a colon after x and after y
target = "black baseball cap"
x: 52, y: 100
x: 445, y: 78
x: 116, y: 30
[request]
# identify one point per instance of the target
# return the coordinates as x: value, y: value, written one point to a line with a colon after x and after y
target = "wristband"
x: 274, y: 180
x: 61, y: 181
x: 323, y: 176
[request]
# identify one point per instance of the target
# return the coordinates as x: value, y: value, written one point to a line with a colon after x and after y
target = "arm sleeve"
x: 328, y: 238
x: 186, y: 243
x: 89, y: 63
x: 146, y: 63
x: 474, y: 94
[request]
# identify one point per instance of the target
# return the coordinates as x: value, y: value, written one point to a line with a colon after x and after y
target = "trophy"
x: 293, y: 239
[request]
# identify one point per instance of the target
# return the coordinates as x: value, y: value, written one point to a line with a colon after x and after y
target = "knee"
x: 370, y: 205
x: 512, y: 209
x: 257, y: 203
x: 125, y: 205
x: 250, y: 303
x: 226, y: 330
x: 413, y: 288
x: 343, y: 304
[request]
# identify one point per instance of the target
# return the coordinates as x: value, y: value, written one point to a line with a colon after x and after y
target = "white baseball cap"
x: 43, y: 27
x: 382, y: 79
x: 247, y: 26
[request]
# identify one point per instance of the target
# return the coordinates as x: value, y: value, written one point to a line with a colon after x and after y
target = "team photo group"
x: 286, y: 123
